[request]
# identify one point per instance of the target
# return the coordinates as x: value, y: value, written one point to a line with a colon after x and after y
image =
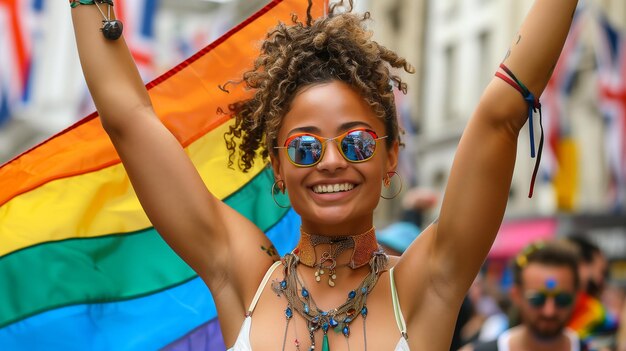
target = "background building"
x: 577, y: 188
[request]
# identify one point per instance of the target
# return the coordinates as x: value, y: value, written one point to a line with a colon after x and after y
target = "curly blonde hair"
x: 336, y: 47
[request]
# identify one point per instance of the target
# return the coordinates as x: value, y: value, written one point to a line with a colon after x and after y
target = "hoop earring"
x: 387, y: 183
x: 281, y: 188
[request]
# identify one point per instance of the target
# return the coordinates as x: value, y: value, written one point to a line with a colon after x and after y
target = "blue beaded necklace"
x: 339, y: 319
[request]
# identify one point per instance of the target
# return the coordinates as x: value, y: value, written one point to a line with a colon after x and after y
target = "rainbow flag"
x: 590, y: 318
x: 81, y: 267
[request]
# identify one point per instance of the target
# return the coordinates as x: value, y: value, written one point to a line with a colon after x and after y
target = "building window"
x: 449, y: 8
x: 450, y: 98
x: 485, y: 69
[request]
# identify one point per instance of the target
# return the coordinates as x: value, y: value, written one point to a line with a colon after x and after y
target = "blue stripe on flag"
x: 128, y: 325
x: 286, y: 233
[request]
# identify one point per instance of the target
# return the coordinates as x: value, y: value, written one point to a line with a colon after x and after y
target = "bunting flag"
x: 5, y: 80
x: 81, y: 268
x: 138, y: 17
x: 611, y: 74
x: 560, y: 160
x: 16, y: 23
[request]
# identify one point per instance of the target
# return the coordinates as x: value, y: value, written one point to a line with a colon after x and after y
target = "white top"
x: 503, y: 340
x: 243, y: 339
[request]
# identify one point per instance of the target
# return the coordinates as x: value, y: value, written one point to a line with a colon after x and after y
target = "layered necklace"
x: 299, y: 299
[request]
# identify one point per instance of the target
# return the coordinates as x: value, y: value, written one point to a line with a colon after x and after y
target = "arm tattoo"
x: 271, y: 252
x: 508, y: 53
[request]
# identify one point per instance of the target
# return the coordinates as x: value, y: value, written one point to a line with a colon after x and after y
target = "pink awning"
x: 514, y: 235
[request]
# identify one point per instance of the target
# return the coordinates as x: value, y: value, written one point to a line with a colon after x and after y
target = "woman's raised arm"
x: 478, y: 187
x: 197, y: 225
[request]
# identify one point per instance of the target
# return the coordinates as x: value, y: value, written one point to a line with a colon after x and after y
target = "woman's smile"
x: 332, y: 188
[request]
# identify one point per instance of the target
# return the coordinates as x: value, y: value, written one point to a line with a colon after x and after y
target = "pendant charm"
x: 325, y: 346
x: 326, y: 261
x: 332, y: 277
x: 112, y: 29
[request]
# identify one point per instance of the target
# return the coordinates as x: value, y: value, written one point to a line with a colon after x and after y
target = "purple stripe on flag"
x: 207, y: 337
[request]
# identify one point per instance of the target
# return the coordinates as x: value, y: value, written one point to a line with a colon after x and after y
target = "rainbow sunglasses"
x: 538, y: 298
x: 306, y: 149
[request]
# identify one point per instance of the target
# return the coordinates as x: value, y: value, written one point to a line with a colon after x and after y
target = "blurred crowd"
x: 553, y: 295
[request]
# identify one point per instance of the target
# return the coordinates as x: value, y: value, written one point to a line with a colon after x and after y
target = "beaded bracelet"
x: 111, y: 29
x: 533, y: 106
x: 75, y: 3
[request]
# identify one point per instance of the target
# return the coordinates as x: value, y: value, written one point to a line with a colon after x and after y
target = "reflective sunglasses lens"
x: 537, y: 299
x: 358, y: 145
x: 563, y: 299
x: 304, y: 150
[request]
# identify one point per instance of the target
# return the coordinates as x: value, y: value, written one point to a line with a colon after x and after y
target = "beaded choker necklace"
x: 363, y: 246
x: 299, y: 299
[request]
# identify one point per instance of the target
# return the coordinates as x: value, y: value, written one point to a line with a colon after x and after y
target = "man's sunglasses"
x: 355, y: 145
x: 538, y: 298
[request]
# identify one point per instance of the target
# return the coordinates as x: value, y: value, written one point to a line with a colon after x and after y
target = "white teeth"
x: 333, y: 188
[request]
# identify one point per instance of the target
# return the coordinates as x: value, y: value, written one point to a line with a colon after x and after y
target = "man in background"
x: 546, y: 281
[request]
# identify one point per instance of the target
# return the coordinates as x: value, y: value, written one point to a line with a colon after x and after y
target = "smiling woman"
x: 322, y: 90
x: 335, y: 111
